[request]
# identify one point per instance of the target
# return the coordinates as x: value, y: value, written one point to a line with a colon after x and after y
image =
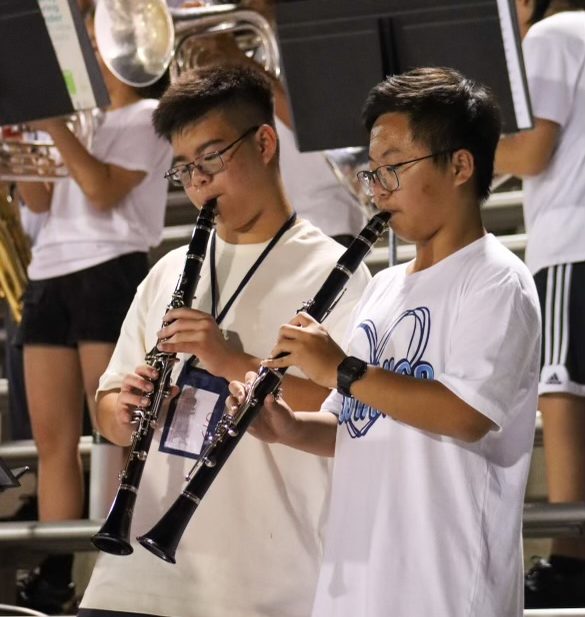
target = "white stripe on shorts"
x: 558, y: 287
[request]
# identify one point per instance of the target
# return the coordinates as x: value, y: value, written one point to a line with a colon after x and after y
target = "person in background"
x: 432, y: 423
x: 551, y: 160
x: 88, y: 259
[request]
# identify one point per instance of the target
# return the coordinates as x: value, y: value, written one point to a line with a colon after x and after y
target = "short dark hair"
x: 540, y: 8
x: 446, y: 112
x: 245, y: 91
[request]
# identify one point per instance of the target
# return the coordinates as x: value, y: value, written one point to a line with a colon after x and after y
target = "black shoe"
x: 558, y: 583
x: 35, y: 592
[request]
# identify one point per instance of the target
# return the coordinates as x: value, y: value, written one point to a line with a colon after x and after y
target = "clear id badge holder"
x: 194, y: 412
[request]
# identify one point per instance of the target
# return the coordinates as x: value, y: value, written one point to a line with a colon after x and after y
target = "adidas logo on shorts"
x: 553, y: 380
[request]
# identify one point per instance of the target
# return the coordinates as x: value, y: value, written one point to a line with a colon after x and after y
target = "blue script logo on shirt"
x: 412, y: 329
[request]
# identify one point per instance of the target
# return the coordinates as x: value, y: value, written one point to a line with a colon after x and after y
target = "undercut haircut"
x: 446, y: 112
x: 244, y: 92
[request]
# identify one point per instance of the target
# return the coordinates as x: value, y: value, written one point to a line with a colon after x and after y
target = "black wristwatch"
x: 350, y: 369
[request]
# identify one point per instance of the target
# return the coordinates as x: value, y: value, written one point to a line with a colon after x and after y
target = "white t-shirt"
x: 421, y: 524
x: 315, y: 191
x: 554, y: 201
x: 76, y: 235
x: 254, y: 544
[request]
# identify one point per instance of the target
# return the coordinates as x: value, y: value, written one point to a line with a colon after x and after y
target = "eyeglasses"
x: 387, y: 175
x: 208, y: 164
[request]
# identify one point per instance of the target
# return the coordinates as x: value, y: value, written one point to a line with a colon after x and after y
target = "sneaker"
x: 546, y: 585
x: 35, y: 592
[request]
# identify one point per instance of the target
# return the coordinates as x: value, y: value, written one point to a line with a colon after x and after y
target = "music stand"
x: 47, y: 64
x: 334, y: 51
x: 9, y: 477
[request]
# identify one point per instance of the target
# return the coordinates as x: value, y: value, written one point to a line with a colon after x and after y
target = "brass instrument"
x: 137, y: 42
x: 135, y: 39
x: 30, y: 156
x: 176, y: 37
x: 14, y: 254
x: 251, y: 32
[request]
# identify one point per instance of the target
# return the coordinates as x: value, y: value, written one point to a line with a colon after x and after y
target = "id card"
x: 194, y: 412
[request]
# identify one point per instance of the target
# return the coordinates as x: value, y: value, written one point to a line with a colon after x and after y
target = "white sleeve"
x: 551, y: 76
x: 137, y: 146
x: 495, y: 340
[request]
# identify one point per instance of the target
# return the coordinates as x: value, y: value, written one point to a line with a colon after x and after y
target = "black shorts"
x: 561, y: 290
x: 85, y: 306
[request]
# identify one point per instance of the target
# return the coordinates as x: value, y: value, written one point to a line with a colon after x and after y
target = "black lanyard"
x: 214, y: 291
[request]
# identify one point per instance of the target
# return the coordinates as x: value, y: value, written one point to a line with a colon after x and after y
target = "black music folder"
x: 47, y: 64
x: 334, y: 51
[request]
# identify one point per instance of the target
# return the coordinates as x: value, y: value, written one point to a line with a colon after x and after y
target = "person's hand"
x: 195, y: 332
x: 307, y: 344
x: 276, y: 421
x: 134, y: 393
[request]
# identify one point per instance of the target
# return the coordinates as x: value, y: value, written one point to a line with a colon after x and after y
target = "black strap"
x: 214, y: 291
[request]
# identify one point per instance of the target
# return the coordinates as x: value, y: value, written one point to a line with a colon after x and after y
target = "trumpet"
x: 162, y: 540
x: 113, y: 537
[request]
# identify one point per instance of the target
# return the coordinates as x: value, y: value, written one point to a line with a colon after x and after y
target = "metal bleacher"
x: 20, y: 542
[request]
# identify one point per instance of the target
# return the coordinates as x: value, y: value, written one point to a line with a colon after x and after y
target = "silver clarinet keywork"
x: 164, y: 537
x: 114, y: 535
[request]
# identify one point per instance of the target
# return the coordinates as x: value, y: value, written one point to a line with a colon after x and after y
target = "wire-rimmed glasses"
x: 208, y: 164
x: 387, y: 175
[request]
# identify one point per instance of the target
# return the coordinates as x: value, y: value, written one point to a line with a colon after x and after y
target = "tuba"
x: 177, y: 38
x: 14, y: 254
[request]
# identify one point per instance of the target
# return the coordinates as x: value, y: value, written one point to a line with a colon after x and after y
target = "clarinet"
x: 164, y: 537
x: 114, y: 535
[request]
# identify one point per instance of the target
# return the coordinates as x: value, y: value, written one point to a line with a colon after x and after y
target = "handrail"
x: 25, y: 451
x: 552, y: 520
x: 555, y: 612
x: 539, y: 520
x: 406, y: 252
x: 62, y: 536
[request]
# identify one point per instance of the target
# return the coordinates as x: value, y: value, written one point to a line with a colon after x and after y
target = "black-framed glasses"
x: 387, y: 175
x: 208, y: 164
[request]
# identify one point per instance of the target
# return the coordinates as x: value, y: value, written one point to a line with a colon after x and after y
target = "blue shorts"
x: 85, y: 306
